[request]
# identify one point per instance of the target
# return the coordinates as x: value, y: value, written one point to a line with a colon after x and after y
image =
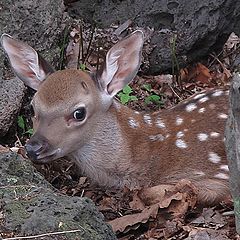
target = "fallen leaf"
x: 232, y: 42
x: 202, y: 74
x: 3, y: 149
x: 125, y: 223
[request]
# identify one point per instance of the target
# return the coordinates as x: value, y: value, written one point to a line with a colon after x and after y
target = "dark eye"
x: 79, y: 114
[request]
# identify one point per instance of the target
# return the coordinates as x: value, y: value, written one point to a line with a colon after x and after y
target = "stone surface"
x: 198, y: 26
x: 11, y: 97
x: 31, y: 206
x: 39, y: 24
x: 232, y: 143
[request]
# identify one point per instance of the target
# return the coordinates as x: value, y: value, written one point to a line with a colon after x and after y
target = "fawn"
x: 76, y: 115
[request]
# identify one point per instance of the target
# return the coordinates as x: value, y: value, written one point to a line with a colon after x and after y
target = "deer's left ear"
x: 26, y: 63
x: 122, y: 63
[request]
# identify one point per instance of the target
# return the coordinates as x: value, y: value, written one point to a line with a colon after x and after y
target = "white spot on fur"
x: 222, y: 176
x: 133, y: 123
x: 180, y: 134
x: 160, y: 123
x: 217, y: 93
x: 158, y: 137
x: 227, y: 92
x: 199, y: 173
x: 204, y: 99
x: 222, y: 115
x: 213, y: 157
x: 190, y: 107
x: 224, y: 167
x: 181, y: 143
x: 214, y: 134
x: 147, y: 119
x: 185, y: 130
x: 212, y: 106
x: 179, y: 120
x: 199, y: 95
x: 167, y: 136
x: 201, y: 110
x: 193, y: 120
x: 202, y: 137
x: 136, y: 112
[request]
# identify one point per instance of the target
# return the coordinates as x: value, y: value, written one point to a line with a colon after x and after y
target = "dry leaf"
x: 155, y: 194
x: 202, y: 73
x: 3, y: 149
x: 232, y: 41
x: 137, y: 203
x: 125, y: 223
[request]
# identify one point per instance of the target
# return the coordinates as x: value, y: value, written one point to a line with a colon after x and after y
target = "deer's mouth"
x: 46, y: 157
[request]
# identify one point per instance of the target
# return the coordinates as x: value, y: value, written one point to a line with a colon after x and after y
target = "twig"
x: 45, y: 234
x: 89, y: 45
x: 175, y: 93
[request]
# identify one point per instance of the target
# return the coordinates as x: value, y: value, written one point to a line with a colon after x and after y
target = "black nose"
x: 33, y: 150
x: 35, y: 146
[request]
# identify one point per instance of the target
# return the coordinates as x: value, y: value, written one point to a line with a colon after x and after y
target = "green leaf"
x: 153, y: 99
x: 148, y: 87
x: 21, y: 122
x: 127, y: 89
x: 29, y: 131
x: 124, y: 98
x: 82, y: 67
x: 120, y: 94
x: 133, y: 98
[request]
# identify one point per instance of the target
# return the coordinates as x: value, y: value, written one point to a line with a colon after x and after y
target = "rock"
x: 39, y: 23
x: 11, y: 97
x: 232, y: 143
x: 31, y: 206
x: 199, y: 27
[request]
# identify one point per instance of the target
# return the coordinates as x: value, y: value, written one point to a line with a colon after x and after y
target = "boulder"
x: 195, y: 28
x: 31, y: 206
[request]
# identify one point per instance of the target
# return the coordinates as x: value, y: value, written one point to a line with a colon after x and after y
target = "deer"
x: 76, y: 115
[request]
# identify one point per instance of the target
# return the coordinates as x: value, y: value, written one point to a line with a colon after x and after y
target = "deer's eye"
x: 79, y: 114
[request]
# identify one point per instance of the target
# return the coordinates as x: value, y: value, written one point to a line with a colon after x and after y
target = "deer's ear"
x: 122, y: 63
x: 26, y: 63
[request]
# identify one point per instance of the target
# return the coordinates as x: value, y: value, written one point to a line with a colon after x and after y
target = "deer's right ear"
x: 30, y: 67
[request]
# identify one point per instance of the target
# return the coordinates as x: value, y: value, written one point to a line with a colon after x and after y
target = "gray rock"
x: 199, y: 26
x: 11, y: 97
x: 39, y: 23
x: 31, y: 206
x: 232, y: 143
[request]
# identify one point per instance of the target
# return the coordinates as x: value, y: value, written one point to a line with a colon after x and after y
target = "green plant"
x: 152, y: 98
x: 22, y: 124
x: 175, y: 63
x: 125, y: 96
x: 82, y: 66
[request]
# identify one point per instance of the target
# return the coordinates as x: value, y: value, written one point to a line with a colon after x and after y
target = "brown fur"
x: 114, y: 145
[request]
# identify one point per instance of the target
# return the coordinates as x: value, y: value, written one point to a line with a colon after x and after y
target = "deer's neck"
x: 113, y: 156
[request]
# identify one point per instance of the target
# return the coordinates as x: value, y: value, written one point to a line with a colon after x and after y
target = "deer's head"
x: 68, y: 103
